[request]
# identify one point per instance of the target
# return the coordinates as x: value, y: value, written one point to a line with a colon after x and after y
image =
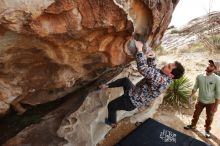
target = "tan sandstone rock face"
x: 49, y: 46
x: 86, y: 126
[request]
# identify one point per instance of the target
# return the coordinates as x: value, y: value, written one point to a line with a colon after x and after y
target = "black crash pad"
x: 153, y: 133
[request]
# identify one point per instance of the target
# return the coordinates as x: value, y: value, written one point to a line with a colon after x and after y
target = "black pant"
x: 121, y: 103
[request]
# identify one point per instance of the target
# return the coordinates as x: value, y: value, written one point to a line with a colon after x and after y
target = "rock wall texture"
x: 84, y: 125
x: 49, y: 46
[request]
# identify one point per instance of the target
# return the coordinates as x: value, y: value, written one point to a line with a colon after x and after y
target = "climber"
x: 155, y: 81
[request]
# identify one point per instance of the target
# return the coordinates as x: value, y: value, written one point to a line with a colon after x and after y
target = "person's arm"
x: 217, y: 95
x: 195, y: 87
x: 191, y: 96
x: 143, y: 68
x: 193, y: 92
x: 151, y: 60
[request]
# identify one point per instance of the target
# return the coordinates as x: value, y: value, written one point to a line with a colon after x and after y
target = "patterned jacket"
x: 152, y: 85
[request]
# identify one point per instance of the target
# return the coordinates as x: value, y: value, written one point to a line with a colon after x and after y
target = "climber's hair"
x: 178, y: 71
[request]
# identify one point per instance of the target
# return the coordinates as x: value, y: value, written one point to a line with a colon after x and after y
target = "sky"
x: 187, y: 10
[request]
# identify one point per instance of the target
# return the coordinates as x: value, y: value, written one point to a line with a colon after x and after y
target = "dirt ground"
x: 195, y: 63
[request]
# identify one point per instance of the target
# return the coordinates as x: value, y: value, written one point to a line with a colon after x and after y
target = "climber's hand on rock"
x: 139, y: 45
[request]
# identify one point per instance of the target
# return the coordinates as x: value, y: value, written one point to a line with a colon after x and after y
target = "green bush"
x: 197, y: 47
x: 215, y: 40
x: 178, y: 92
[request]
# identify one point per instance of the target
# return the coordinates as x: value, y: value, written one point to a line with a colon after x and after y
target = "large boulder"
x: 50, y: 46
x: 86, y: 126
x: 82, y: 124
